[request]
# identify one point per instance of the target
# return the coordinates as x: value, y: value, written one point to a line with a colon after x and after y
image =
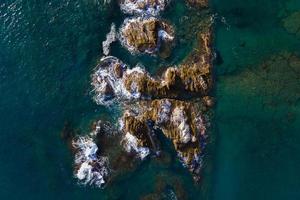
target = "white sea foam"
x: 90, y: 168
x: 105, y: 77
x: 143, y: 7
x: 165, y: 36
x: 109, y: 87
x: 110, y: 38
x: 130, y: 144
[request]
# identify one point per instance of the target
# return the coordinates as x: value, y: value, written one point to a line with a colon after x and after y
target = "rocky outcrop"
x: 112, y: 79
x: 142, y: 7
x: 145, y: 35
x: 99, y: 158
x: 162, y: 103
x: 180, y: 121
x: 176, y: 103
x: 90, y: 167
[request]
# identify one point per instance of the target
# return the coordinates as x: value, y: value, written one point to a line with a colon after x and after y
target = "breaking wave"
x: 108, y: 81
x: 90, y: 168
x: 143, y: 7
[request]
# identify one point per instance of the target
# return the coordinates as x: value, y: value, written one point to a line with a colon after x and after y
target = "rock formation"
x: 112, y: 79
x: 177, y: 103
x: 184, y: 123
x: 145, y: 34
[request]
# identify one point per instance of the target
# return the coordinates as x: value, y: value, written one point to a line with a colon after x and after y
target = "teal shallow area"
x: 49, y: 48
x: 258, y: 91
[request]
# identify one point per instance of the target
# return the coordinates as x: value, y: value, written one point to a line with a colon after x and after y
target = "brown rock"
x: 179, y: 121
x: 208, y: 101
x: 142, y: 35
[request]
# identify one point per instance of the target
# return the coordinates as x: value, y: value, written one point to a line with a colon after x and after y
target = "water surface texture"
x: 48, y: 49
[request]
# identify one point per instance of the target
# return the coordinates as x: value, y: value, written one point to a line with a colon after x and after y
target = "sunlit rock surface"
x: 184, y: 123
x: 176, y: 103
x: 112, y: 79
x: 145, y: 34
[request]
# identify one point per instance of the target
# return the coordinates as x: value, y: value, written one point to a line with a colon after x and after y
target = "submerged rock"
x: 145, y: 34
x: 143, y: 7
x: 292, y: 23
x: 198, y: 3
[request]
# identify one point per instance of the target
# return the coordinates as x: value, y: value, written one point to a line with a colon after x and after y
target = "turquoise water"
x: 48, y: 50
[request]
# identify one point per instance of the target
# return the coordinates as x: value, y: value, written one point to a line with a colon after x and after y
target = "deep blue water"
x: 48, y: 50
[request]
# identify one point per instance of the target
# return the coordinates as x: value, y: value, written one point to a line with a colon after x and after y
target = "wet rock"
x: 145, y: 35
x: 107, y: 80
x: 68, y: 132
x: 98, y: 156
x: 89, y: 166
x: 182, y: 122
x: 113, y: 80
x: 208, y: 101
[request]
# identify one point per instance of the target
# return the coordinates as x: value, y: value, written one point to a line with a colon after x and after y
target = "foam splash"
x: 143, y: 7
x: 130, y: 142
x: 165, y: 36
x: 108, y: 81
x: 130, y: 145
x: 110, y: 38
x: 90, y: 168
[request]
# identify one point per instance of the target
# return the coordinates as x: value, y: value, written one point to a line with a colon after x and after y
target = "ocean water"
x: 48, y: 49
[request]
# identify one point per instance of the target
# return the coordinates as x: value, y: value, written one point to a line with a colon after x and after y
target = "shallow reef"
x: 292, y: 23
